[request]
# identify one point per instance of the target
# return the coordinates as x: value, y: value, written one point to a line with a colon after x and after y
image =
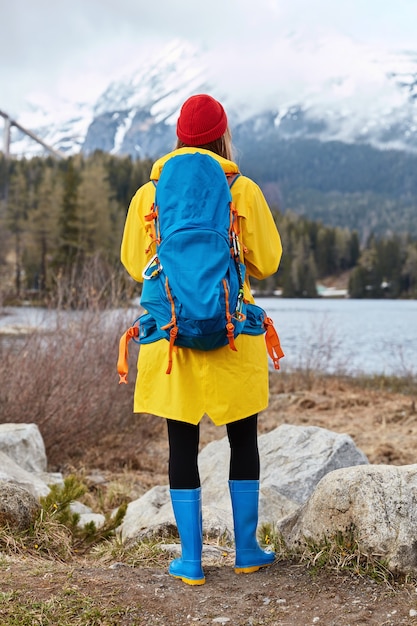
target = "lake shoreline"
x: 333, y: 335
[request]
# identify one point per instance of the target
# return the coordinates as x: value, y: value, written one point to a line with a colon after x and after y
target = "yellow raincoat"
x: 225, y: 385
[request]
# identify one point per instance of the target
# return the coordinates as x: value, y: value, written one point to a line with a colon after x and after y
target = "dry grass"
x: 340, y: 553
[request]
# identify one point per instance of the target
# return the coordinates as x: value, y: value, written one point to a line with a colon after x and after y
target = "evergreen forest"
x: 355, y: 186
x: 62, y: 221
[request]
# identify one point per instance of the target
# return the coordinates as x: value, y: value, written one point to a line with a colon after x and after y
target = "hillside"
x: 356, y: 186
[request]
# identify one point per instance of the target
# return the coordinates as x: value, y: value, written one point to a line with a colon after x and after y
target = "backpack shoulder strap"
x: 232, y: 178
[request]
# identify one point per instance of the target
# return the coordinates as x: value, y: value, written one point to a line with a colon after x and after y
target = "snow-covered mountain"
x: 362, y: 95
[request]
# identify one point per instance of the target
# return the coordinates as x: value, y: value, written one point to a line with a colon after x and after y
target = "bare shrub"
x: 66, y: 382
x: 320, y: 353
x: 92, y: 284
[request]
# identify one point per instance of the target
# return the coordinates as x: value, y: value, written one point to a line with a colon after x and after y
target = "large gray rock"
x: 152, y: 510
x: 214, y: 473
x: 378, y: 501
x: 18, y: 508
x: 11, y: 472
x: 293, y: 460
x: 24, y: 444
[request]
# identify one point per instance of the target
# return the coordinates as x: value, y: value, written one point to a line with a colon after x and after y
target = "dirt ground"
x: 384, y: 427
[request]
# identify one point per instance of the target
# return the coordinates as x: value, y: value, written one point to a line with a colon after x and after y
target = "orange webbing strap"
x: 152, y: 215
x: 122, y: 365
x: 174, y: 328
x: 151, y: 228
x: 272, y: 342
x: 234, y: 230
x: 234, y: 225
x: 230, y: 329
x: 172, y: 347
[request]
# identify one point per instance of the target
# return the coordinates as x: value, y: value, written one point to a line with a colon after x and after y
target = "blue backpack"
x: 193, y: 286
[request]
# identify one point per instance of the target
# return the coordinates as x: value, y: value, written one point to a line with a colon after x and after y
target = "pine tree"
x: 44, y: 228
x: 69, y: 227
x: 16, y: 216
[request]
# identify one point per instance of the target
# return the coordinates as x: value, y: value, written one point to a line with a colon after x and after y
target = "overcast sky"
x: 55, y: 49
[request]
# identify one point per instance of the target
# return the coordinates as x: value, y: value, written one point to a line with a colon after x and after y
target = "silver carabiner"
x: 157, y: 270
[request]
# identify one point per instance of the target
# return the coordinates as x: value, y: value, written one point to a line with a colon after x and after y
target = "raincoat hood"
x: 228, y: 166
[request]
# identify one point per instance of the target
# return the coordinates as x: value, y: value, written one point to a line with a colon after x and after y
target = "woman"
x: 231, y: 387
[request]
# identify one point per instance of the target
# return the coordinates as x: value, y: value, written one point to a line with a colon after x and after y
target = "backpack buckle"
x: 239, y: 314
x: 152, y: 269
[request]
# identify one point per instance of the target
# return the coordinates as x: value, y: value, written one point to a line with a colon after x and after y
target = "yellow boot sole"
x: 250, y: 570
x: 190, y: 581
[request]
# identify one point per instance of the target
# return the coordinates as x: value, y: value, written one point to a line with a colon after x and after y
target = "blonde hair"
x: 222, y: 146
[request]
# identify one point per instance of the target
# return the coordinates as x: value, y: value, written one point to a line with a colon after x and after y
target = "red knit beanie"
x: 202, y: 120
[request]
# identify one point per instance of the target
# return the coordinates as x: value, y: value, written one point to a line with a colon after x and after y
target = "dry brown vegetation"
x: 66, y: 382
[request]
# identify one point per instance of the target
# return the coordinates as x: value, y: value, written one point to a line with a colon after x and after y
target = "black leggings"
x: 183, y: 452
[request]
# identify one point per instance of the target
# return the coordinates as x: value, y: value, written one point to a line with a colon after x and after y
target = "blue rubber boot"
x: 245, y: 502
x: 186, y: 504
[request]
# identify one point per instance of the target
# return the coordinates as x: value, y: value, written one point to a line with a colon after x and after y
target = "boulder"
x: 379, y: 502
x: 293, y: 460
x: 24, y: 444
x: 152, y: 510
x: 18, y: 508
x: 12, y: 473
